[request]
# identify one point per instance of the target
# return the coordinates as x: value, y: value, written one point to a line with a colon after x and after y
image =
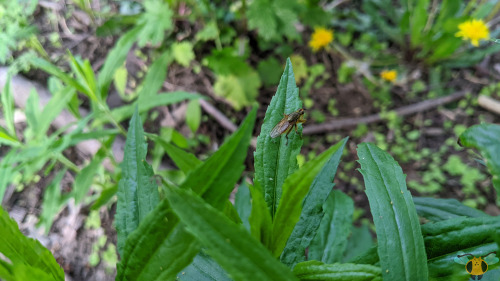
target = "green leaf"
x: 85, y: 76
x: 6, y: 139
x: 459, y: 233
x: 270, y: 71
x: 55, y: 71
x: 26, y: 253
x: 295, y: 188
x: 84, y: 179
x: 7, y: 170
x: 105, y: 196
x: 418, y: 20
x: 32, y: 111
x: 229, y: 244
x: 120, y: 81
x: 155, y: 77
x: 137, y: 191
x: 203, y: 268
x: 274, y: 158
x: 315, y: 270
x: 156, y: 19
x: 485, y: 138
x: 161, y: 247
x: 183, y: 52
x: 148, y: 102
x: 53, y: 108
x: 360, y: 241
x: 273, y: 19
x: 184, y: 160
x: 449, y: 236
x: 312, y: 210
x: 115, y: 59
x: 209, y: 32
x: 8, y: 107
x: 243, y: 203
x: 435, y: 209
x: 401, y: 246
x: 239, y: 91
x: 52, y: 202
x: 330, y: 241
x: 260, y: 219
x: 193, y: 115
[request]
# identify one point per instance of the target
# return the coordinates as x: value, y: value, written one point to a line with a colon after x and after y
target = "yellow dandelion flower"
x: 320, y: 38
x: 389, y: 75
x: 473, y: 30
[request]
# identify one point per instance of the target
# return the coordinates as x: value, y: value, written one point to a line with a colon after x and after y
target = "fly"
x: 288, y: 122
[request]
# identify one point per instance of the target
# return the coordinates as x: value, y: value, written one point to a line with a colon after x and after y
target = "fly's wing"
x: 491, y: 259
x: 461, y: 260
x: 279, y: 128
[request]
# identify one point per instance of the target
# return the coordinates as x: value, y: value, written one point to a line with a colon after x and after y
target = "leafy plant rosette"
x: 288, y: 225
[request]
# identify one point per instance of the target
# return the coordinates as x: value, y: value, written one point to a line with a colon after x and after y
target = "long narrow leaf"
x: 160, y: 248
x: 330, y: 241
x: 400, y: 242
x: 295, y: 188
x: 312, y: 211
x: 53, y: 108
x: 52, y: 202
x: 314, y: 270
x: 184, y: 160
x: 449, y: 236
x: 203, y: 268
x: 260, y: 219
x: 229, y: 244
x: 8, y: 107
x: 155, y: 77
x: 275, y: 159
x: 146, y: 104
x: 55, y: 71
x: 243, y: 203
x: 116, y: 57
x: 137, y: 191
x: 436, y: 209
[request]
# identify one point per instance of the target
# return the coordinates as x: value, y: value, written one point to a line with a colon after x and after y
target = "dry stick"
x: 222, y: 119
x: 217, y: 115
x: 489, y: 104
x: 402, y: 111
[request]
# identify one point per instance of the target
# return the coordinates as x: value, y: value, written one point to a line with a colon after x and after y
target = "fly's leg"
x: 287, y: 136
x: 296, y: 128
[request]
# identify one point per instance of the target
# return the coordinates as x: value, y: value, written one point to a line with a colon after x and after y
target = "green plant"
x: 16, y: 29
x: 196, y: 233
x: 431, y: 29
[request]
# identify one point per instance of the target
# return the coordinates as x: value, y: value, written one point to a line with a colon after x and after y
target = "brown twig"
x: 402, y: 111
x: 217, y: 115
x: 489, y: 104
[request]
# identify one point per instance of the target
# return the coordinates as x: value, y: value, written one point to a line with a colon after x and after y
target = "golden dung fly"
x: 286, y: 124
